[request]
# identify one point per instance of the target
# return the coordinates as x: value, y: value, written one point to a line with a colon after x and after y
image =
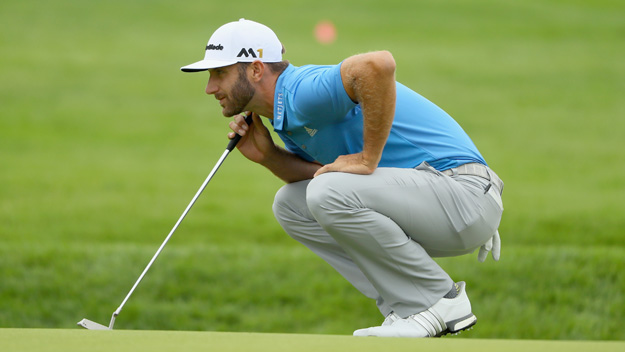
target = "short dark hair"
x: 278, y: 67
x: 275, y: 67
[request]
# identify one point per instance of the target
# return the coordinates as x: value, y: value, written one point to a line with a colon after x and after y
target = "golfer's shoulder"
x: 311, y: 77
x: 314, y: 90
x: 310, y: 71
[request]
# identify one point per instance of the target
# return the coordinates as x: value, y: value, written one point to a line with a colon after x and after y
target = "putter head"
x: 92, y: 325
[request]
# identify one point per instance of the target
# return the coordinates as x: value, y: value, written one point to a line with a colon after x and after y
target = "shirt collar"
x: 279, y: 111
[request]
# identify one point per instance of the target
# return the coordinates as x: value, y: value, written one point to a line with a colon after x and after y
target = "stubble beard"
x: 241, y: 95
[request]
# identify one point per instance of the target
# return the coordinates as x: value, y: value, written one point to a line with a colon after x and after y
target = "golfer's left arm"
x: 368, y: 79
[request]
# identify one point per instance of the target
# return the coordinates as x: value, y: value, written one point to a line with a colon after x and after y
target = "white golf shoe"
x: 448, y: 315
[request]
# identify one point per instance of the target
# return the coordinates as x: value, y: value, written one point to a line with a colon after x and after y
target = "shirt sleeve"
x: 320, y: 95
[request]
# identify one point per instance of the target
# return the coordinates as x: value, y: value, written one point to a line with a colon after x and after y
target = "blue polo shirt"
x: 318, y: 121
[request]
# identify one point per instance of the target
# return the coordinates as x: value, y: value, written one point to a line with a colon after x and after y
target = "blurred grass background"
x: 103, y: 142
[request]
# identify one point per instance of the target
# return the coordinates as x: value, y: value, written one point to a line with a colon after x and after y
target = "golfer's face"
x: 230, y: 86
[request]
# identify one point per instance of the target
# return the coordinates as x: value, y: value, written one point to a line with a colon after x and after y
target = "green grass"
x: 103, y: 142
x: 43, y: 340
x: 269, y: 288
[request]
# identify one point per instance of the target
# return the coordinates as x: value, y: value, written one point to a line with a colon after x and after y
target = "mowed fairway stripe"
x: 68, y: 340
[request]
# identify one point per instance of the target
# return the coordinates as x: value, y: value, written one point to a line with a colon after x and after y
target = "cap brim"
x: 206, y: 65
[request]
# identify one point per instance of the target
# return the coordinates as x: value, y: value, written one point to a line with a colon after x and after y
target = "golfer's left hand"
x: 351, y: 163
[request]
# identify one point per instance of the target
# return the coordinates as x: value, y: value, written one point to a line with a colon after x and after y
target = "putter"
x: 91, y: 325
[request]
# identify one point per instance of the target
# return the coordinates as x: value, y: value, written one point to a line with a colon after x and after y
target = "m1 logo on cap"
x: 250, y: 52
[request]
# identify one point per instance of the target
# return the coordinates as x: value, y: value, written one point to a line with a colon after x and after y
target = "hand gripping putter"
x: 91, y: 325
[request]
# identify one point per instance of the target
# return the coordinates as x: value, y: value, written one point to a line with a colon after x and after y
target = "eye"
x: 216, y: 72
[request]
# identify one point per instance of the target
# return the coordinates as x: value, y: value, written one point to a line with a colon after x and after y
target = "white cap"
x: 240, y: 41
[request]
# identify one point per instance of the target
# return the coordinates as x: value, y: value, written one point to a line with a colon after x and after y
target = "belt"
x: 477, y: 169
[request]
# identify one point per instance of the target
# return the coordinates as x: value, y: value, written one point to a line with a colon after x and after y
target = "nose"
x: 211, y: 87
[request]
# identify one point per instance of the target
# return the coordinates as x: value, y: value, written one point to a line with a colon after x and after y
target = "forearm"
x: 378, y: 109
x: 257, y: 145
x: 288, y: 166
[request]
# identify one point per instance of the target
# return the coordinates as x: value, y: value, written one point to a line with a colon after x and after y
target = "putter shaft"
x: 91, y: 325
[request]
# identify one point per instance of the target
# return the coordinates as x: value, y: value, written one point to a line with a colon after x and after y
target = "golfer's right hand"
x: 256, y: 143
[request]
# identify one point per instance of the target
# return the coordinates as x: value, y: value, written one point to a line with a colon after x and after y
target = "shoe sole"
x: 455, y: 327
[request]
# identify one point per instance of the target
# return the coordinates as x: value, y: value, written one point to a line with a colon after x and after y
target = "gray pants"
x: 380, y: 231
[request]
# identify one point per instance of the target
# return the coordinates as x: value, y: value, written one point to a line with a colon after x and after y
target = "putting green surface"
x: 66, y: 340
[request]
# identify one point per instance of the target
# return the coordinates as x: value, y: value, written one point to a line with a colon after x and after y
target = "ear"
x: 256, y: 69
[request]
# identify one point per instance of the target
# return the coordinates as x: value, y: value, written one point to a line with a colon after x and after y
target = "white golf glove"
x: 493, y: 245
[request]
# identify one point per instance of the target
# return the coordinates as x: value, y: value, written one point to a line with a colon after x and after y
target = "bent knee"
x: 330, y: 192
x: 290, y: 196
x: 318, y: 191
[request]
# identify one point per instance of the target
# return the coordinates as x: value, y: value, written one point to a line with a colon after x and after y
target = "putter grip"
x: 237, y: 137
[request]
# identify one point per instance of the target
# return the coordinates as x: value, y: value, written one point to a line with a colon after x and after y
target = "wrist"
x: 371, y: 159
x: 271, y: 156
